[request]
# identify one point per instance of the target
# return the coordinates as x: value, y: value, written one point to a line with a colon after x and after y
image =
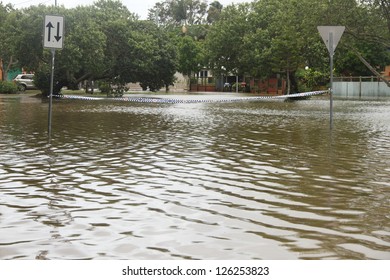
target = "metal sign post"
x: 53, y: 53
x: 53, y: 39
x: 331, y: 36
x: 331, y: 52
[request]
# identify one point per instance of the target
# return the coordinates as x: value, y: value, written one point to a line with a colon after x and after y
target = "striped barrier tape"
x: 187, y: 101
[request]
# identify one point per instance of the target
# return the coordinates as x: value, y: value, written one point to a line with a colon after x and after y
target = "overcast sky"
x: 139, y: 7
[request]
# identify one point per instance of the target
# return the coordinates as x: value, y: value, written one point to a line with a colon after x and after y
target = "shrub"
x: 8, y: 87
x: 112, y: 90
x: 309, y: 79
x: 104, y: 87
x: 42, y: 81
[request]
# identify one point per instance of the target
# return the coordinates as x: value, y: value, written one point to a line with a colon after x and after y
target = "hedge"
x: 8, y: 87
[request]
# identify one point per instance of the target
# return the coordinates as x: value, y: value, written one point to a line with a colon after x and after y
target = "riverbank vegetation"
x: 106, y: 42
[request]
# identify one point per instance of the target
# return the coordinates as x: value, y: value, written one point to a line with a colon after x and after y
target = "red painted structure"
x: 268, y: 86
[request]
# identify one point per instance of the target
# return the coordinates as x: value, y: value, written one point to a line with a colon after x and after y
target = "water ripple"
x: 195, y: 181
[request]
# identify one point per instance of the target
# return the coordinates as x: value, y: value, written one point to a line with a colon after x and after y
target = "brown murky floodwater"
x: 246, y: 180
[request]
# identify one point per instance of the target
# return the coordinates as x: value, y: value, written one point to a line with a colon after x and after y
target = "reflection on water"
x: 262, y: 180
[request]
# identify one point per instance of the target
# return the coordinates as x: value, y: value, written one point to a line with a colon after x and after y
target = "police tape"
x: 187, y: 101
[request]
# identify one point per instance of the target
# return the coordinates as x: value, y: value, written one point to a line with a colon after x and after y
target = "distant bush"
x: 104, y: 87
x: 8, y: 87
x: 112, y: 90
x: 310, y: 79
x: 42, y: 80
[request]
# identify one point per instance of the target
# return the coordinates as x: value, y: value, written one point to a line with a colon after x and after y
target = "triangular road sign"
x: 327, y: 32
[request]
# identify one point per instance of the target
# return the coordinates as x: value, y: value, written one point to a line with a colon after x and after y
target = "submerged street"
x: 247, y: 180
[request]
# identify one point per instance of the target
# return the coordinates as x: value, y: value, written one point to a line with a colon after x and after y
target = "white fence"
x: 360, y: 87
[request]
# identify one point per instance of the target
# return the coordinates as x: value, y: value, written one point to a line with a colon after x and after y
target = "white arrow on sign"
x: 331, y: 33
x: 53, y: 32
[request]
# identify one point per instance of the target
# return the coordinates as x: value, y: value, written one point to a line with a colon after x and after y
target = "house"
x: 386, y: 73
x: 274, y: 86
x: 203, y: 81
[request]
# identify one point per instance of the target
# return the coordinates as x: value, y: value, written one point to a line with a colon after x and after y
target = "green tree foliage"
x: 105, y: 41
x: 280, y: 36
x: 188, y: 22
x: 285, y: 29
x: 102, y: 42
x: 157, y: 53
x: 190, y: 55
x: 366, y: 33
x: 382, y: 9
x: 225, y: 40
x: 214, y: 11
x: 170, y: 13
x: 8, y: 42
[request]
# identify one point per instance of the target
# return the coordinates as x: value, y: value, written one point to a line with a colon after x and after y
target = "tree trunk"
x: 1, y: 70
x: 288, y: 82
x: 5, y: 71
x: 293, y: 87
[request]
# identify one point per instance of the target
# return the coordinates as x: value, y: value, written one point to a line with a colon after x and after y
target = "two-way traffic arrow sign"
x: 53, y: 32
x: 53, y: 39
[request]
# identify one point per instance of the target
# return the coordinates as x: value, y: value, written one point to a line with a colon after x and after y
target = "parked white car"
x: 24, y: 81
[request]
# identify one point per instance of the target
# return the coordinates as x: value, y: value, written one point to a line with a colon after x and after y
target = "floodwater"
x: 244, y: 180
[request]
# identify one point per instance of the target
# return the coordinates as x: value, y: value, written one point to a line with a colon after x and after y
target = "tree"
x: 186, y: 21
x: 381, y: 8
x: 225, y: 40
x: 84, y: 54
x: 174, y: 13
x: 366, y: 35
x: 280, y: 36
x: 157, y: 54
x: 214, y: 11
x: 102, y: 42
x: 283, y: 32
x: 107, y: 42
x: 8, y: 29
x: 190, y: 55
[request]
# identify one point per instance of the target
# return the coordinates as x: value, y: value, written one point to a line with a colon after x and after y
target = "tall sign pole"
x: 53, y: 53
x: 331, y: 36
x: 53, y: 39
x: 331, y: 53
